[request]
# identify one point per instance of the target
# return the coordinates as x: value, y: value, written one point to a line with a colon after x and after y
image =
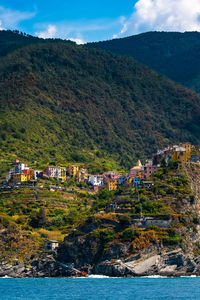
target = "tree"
x: 42, y: 217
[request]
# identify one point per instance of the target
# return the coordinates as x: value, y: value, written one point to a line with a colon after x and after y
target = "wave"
x: 95, y: 276
x: 98, y: 276
x: 154, y: 276
x: 191, y: 276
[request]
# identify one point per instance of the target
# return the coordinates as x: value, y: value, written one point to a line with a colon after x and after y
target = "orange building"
x: 111, y: 184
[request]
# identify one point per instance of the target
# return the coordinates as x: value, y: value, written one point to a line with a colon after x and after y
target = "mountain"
x: 173, y: 54
x: 60, y: 103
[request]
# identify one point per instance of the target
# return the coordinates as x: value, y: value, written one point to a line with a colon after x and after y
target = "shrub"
x: 124, y: 221
x: 104, y: 235
x: 145, y: 240
x: 162, y: 193
x: 129, y: 234
x: 172, y: 238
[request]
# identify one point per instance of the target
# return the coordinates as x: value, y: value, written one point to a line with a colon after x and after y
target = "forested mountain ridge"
x: 173, y: 54
x: 61, y: 102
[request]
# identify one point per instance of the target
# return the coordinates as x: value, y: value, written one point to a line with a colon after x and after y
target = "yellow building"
x: 82, y: 175
x: 188, y: 148
x: 73, y: 171
x: 111, y: 184
x: 18, y: 178
x: 62, y: 173
x: 180, y: 154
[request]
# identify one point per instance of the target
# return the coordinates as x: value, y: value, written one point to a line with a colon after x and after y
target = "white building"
x: 96, y: 180
x: 51, y: 245
x: 10, y: 174
x: 20, y: 167
x: 37, y: 174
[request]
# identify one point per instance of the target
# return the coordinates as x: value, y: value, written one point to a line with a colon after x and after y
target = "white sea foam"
x: 154, y: 276
x: 191, y: 276
x: 98, y: 276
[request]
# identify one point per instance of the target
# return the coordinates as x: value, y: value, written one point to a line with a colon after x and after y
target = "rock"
x: 143, y: 266
x: 174, y: 263
x: 113, y: 270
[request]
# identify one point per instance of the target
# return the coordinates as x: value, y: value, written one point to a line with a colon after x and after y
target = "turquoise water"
x: 100, y: 288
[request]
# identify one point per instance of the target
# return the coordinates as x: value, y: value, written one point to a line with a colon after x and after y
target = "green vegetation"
x: 173, y: 54
x: 66, y: 103
x: 29, y: 216
x: 29, y: 220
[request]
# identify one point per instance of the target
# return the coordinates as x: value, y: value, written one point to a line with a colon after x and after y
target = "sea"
x: 100, y: 287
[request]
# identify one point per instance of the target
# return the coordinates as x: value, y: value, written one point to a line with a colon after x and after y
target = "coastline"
x: 167, y: 264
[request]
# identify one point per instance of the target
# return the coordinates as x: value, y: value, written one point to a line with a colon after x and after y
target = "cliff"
x: 130, y: 232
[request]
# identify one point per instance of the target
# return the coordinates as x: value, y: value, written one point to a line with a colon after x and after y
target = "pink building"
x: 51, y: 172
x: 148, y: 169
x: 136, y: 171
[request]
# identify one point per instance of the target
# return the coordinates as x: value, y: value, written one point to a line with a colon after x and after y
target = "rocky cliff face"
x: 174, y: 263
x: 43, y: 266
x: 152, y: 262
x: 193, y: 172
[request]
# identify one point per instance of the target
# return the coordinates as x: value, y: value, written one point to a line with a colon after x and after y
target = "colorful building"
x: 136, y: 171
x: 51, y: 172
x: 181, y: 154
x: 61, y: 173
x: 96, y: 180
x: 111, y: 184
x: 73, y: 171
x: 188, y: 147
x: 148, y: 169
x: 136, y: 181
x: 38, y: 174
x: 147, y: 184
x: 56, y: 172
x: 121, y: 180
x: 82, y: 175
x: 28, y: 172
x: 19, y: 167
x: 18, y: 178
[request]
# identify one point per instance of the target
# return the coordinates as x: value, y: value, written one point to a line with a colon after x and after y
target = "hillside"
x: 133, y: 225
x: 173, y: 54
x: 66, y: 103
x: 12, y: 40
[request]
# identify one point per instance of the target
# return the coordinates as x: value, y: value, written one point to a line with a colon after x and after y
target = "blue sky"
x: 94, y: 20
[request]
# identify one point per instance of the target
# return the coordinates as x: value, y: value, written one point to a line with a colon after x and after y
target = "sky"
x: 94, y: 20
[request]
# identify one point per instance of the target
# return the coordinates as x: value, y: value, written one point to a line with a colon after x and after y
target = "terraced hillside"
x: 30, y: 215
x: 132, y: 219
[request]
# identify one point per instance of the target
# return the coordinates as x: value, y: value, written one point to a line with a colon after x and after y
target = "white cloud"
x: 10, y: 19
x: 49, y: 33
x: 53, y: 31
x: 162, y: 15
x: 80, y: 31
x: 77, y: 41
x: 1, y: 28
